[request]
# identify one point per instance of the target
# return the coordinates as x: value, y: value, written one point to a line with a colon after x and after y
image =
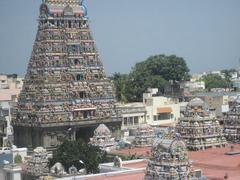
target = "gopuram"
x: 200, y: 128
x: 103, y: 138
x: 66, y: 93
x: 144, y: 136
x: 231, y: 122
x: 169, y: 160
x: 37, y: 165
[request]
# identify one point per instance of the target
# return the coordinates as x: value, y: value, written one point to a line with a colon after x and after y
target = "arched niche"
x: 44, y: 11
x: 68, y: 11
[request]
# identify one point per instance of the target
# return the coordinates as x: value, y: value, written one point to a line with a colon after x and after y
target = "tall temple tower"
x: 66, y: 93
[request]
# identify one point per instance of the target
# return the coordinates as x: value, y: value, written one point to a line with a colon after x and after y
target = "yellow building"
x: 160, y: 110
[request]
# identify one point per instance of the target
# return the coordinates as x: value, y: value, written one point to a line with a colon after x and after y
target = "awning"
x: 164, y: 110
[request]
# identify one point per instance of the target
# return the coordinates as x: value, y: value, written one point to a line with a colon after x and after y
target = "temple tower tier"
x: 231, y: 121
x: 199, y: 127
x: 103, y: 138
x: 66, y: 93
x: 169, y: 160
x: 144, y: 136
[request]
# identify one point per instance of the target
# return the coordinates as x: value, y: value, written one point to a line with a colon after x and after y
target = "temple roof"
x: 145, y: 127
x: 69, y: 7
x: 196, y: 102
x: 102, y: 129
x: 63, y: 2
x: 237, y: 99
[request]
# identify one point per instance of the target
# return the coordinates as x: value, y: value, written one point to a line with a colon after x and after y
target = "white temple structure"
x: 103, y: 138
x: 144, y: 136
x: 36, y: 166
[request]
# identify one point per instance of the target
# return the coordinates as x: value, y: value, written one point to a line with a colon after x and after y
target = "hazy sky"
x: 206, y: 33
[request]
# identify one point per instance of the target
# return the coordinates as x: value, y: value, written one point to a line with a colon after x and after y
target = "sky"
x: 206, y: 33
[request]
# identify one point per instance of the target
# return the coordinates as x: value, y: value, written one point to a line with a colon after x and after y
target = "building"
x: 160, y: 110
x: 10, y: 162
x: 217, y: 100
x: 236, y: 84
x: 65, y: 92
x: 3, y: 126
x: 193, y: 86
x: 133, y: 115
x: 6, y: 135
x: 199, y: 127
x: 10, y: 87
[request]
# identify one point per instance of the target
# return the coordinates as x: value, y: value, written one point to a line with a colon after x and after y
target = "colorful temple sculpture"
x: 199, y: 127
x: 66, y: 92
x: 144, y: 136
x: 169, y: 160
x: 103, y: 138
x: 231, y: 122
x: 36, y: 166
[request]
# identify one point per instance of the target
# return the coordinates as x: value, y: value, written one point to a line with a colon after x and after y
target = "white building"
x: 194, y: 86
x: 6, y: 130
x: 133, y: 115
x: 10, y: 169
x: 10, y: 87
x: 161, y: 111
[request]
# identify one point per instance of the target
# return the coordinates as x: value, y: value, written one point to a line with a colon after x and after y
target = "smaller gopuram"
x: 144, y: 136
x: 199, y: 127
x: 232, y: 122
x: 103, y: 138
x: 169, y: 160
x: 37, y: 165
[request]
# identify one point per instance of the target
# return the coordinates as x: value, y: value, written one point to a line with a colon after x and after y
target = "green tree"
x: 228, y: 76
x: 214, y: 81
x: 119, y: 81
x: 155, y: 72
x: 71, y: 152
x: 18, y: 159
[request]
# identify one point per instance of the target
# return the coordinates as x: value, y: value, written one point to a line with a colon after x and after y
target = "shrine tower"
x: 66, y: 93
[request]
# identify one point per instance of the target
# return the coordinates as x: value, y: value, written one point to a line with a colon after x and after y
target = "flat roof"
x: 213, y: 162
x: 142, y: 152
x: 122, y: 176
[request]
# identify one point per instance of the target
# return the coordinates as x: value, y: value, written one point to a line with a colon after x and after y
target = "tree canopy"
x: 228, y: 76
x: 71, y: 152
x: 155, y: 72
x: 214, y: 81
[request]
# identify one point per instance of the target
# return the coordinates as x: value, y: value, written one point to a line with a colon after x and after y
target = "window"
x: 136, y: 120
x: 130, y: 121
x: 155, y: 118
x: 8, y: 176
x: 85, y: 114
x: 79, y: 77
x: 125, y: 121
x: 76, y: 61
x: 148, y: 102
x: 82, y: 94
x: 163, y: 116
x: 69, y: 24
